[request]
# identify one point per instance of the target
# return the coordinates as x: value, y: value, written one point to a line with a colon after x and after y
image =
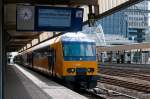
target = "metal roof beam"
x: 16, y: 43
x: 23, y: 37
x: 12, y: 49
x: 23, y: 34
x: 122, y: 6
x: 20, y: 40
x: 54, y: 2
x: 118, y: 8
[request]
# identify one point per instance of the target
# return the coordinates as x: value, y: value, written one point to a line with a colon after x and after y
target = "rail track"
x: 124, y: 83
x: 103, y: 93
x: 125, y: 74
x: 141, y: 66
x: 128, y: 68
x: 91, y: 94
x: 138, y: 77
x: 137, y: 71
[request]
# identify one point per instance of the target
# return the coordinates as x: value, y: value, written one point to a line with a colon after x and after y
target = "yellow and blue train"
x: 71, y: 57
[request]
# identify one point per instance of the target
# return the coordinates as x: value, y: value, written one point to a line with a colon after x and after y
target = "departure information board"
x: 58, y: 18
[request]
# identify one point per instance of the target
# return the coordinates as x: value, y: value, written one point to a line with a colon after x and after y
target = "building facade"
x: 130, y: 23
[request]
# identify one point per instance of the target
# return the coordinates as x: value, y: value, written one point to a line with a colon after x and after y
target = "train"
x: 70, y: 57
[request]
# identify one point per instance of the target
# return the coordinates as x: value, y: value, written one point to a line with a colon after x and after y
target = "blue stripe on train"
x: 79, y: 58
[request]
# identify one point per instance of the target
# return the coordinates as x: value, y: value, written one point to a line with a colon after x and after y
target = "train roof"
x: 73, y: 37
x: 76, y: 37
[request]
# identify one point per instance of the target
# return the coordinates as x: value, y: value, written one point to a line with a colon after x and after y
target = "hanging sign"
x: 45, y: 18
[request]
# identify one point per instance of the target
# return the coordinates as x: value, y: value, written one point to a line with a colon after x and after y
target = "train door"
x: 30, y: 59
x: 51, y: 60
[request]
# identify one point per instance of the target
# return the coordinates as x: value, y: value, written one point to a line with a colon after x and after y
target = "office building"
x: 130, y: 23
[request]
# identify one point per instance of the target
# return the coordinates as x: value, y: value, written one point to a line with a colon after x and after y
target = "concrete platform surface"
x: 21, y: 83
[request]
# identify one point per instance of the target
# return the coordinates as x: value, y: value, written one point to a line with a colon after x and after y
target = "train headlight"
x: 90, y: 70
x: 71, y: 70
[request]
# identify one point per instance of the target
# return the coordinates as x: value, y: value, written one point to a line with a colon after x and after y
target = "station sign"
x: 46, y: 18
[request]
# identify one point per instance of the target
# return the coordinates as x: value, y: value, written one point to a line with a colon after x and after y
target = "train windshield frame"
x: 79, y: 51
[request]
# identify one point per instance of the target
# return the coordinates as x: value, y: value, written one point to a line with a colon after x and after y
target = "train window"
x: 40, y: 53
x: 79, y: 49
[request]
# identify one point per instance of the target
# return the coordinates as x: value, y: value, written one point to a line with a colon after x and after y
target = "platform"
x: 21, y: 83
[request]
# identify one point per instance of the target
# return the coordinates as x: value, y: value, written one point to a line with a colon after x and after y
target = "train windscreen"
x: 79, y: 50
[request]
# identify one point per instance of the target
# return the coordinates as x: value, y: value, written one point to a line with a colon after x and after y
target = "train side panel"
x: 43, y: 59
x: 40, y: 59
x: 41, y: 63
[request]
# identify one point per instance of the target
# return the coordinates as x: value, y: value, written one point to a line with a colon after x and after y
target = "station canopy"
x: 16, y: 40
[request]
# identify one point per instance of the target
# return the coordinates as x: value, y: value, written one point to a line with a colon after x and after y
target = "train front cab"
x: 79, y: 63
